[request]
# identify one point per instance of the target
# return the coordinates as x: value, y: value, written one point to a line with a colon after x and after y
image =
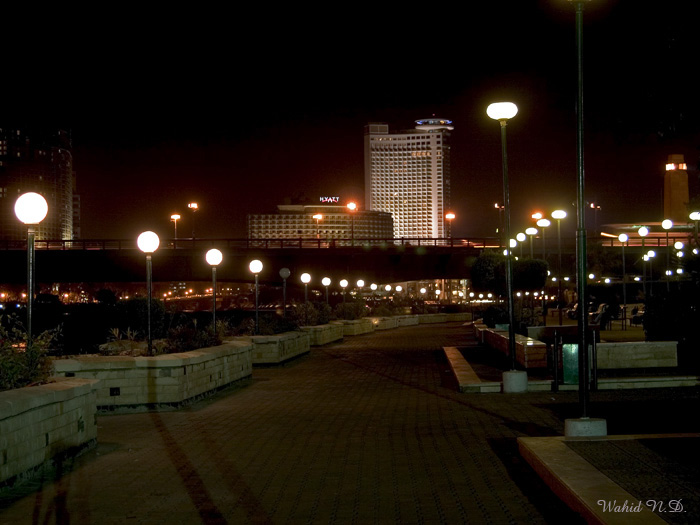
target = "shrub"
x: 305, y: 314
x: 350, y: 310
x: 184, y: 338
x: 21, y: 366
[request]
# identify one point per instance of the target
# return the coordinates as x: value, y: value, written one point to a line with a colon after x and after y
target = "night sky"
x: 238, y: 110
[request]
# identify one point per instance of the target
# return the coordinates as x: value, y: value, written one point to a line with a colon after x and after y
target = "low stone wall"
x: 40, y: 423
x: 323, y: 334
x: 432, y: 318
x: 649, y: 354
x: 458, y: 316
x: 276, y: 349
x: 406, y: 320
x: 168, y: 379
x: 355, y: 326
x: 384, y: 323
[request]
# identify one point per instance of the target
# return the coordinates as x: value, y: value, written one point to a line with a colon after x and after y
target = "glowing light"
x: 623, y: 237
x: 502, y: 110
x: 148, y: 242
x: 255, y: 266
x: 31, y: 208
x: 305, y: 278
x: 326, y: 281
x: 360, y: 283
x: 643, y: 231
x: 215, y: 257
x: 558, y: 214
x: 667, y: 224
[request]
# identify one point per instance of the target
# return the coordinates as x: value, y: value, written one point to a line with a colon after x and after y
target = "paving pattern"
x: 367, y: 431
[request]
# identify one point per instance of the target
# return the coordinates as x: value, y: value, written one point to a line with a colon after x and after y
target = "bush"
x: 350, y: 310
x: 495, y: 315
x: 21, y: 366
x: 187, y: 337
x: 383, y: 311
x: 305, y: 314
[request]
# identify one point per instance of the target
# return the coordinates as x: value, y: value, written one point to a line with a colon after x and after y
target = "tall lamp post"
x: 351, y: 208
x: 499, y: 207
x: 214, y: 258
x: 256, y: 267
x: 31, y: 208
x: 318, y: 218
x: 695, y: 217
x: 544, y: 224
x: 194, y: 207
x: 531, y: 232
x: 175, y: 217
x: 513, y: 381
x: 449, y: 216
x: 306, y: 279
x: 623, y: 238
x: 643, y: 231
x: 667, y: 224
x: 148, y: 243
x: 284, y: 274
x: 326, y: 281
x: 343, y: 284
x: 521, y: 238
x: 558, y: 215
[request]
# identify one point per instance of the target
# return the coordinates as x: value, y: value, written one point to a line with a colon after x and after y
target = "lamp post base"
x: 514, y: 381
x: 585, y: 427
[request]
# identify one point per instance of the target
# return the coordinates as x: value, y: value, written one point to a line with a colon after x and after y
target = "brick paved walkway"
x: 367, y: 431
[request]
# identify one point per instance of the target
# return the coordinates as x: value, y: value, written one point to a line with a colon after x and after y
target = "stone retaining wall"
x: 168, y: 379
x: 276, y: 349
x: 406, y: 320
x: 323, y: 334
x: 529, y: 352
x: 40, y: 423
x: 649, y: 354
x: 384, y: 323
x: 356, y: 326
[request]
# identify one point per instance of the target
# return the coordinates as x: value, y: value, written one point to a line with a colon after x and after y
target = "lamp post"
x: 148, y: 243
x: 306, y: 279
x: 649, y: 257
x: 544, y: 224
x: 449, y: 216
x: 352, y: 207
x: 502, y: 111
x: 695, y: 217
x: 343, y: 284
x: 326, y: 281
x: 214, y: 258
x: 31, y: 208
x: 194, y: 207
x: 643, y: 231
x: 667, y: 224
x: 531, y: 232
x: 175, y: 217
x: 499, y: 207
x: 284, y: 274
x: 558, y: 215
x: 256, y: 267
x: 623, y: 238
x: 521, y: 238
x: 318, y: 218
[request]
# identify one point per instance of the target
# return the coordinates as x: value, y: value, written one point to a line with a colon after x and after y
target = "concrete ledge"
x: 406, y: 320
x: 529, y: 352
x: 384, y: 323
x: 432, y: 318
x: 355, y: 326
x: 578, y: 483
x: 166, y: 380
x: 40, y: 423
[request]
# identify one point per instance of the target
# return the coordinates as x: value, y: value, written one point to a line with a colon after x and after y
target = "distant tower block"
x: 676, y: 189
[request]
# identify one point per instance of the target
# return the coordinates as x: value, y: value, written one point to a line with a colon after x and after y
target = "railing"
x: 130, y: 244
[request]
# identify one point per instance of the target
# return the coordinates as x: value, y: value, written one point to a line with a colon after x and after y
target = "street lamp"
x: 306, y: 279
x: 256, y: 267
x: 148, y: 243
x: 544, y: 224
x: 352, y: 207
x: 194, y: 207
x: 326, y: 281
x: 667, y: 224
x: 643, y: 231
x: 175, y: 217
x: 499, y: 207
x: 31, y: 208
x: 558, y: 215
x: 318, y: 218
x: 695, y: 217
x: 450, y: 216
x: 521, y: 238
x: 284, y: 274
x: 531, y: 232
x: 343, y: 284
x: 214, y: 258
x: 623, y: 238
x: 649, y: 256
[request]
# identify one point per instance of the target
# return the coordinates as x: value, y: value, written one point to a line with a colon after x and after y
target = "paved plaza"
x: 371, y: 430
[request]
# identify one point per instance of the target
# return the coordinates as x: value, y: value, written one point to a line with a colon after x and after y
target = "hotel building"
x: 43, y: 163
x: 407, y: 174
x: 323, y: 221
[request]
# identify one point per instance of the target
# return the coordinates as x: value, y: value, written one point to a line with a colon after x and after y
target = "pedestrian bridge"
x: 110, y: 260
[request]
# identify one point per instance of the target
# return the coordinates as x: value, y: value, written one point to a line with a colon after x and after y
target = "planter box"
x: 40, y: 423
x: 383, y: 323
x: 163, y: 380
x: 323, y: 334
x: 276, y: 349
x: 650, y: 354
x: 529, y: 352
x: 356, y: 326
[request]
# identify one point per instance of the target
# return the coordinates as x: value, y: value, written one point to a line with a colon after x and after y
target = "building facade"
x: 334, y: 222
x: 43, y: 163
x: 407, y: 174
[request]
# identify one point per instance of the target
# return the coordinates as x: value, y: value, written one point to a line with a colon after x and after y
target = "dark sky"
x: 239, y: 108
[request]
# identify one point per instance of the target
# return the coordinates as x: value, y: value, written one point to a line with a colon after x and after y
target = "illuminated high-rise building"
x: 408, y: 175
x: 43, y: 163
